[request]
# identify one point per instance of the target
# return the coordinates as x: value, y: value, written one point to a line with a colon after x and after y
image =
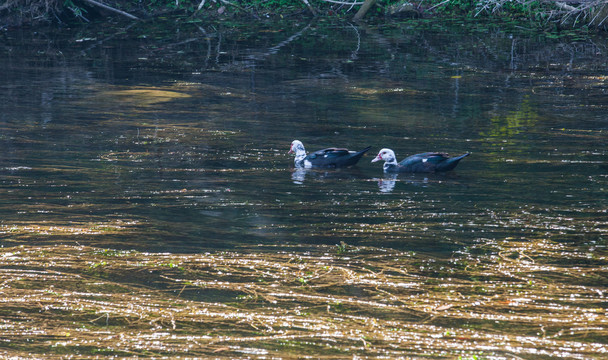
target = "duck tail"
x: 365, y: 150
x: 354, y: 158
x: 458, y: 158
x: 451, y: 163
x: 360, y: 153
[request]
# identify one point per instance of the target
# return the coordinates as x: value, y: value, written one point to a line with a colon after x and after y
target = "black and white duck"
x: 428, y: 162
x: 326, y: 158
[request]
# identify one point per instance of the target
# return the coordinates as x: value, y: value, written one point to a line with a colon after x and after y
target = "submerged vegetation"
x: 537, y: 14
x: 493, y: 301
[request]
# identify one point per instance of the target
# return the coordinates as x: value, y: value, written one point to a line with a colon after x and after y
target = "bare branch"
x: 93, y: 2
x: 363, y: 9
x: 312, y: 9
x: 344, y: 2
x: 565, y: 6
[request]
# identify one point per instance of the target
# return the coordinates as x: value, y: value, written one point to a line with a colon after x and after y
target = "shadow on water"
x: 147, y: 197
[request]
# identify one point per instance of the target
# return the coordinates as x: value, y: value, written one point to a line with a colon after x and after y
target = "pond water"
x: 179, y: 138
x: 172, y: 136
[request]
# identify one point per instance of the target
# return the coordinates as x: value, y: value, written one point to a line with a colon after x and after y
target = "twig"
x: 182, y: 290
x: 346, y: 2
x: 232, y: 4
x: 93, y: 2
x: 107, y: 316
x: 598, y: 13
x: 601, y: 22
x: 307, y: 3
x: 441, y: 3
x: 565, y: 6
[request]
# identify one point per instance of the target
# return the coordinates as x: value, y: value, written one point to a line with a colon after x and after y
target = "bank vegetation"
x: 545, y: 14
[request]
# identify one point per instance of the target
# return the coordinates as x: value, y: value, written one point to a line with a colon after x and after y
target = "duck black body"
x: 420, y: 163
x: 326, y: 158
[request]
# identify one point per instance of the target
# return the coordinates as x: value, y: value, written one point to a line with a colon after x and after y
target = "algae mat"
x: 508, y: 300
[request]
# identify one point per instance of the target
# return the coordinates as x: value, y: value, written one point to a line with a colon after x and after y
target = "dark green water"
x: 174, y: 137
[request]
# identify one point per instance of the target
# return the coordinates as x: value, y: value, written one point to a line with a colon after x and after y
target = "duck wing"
x: 429, y: 162
x: 335, y: 157
x: 424, y: 162
x: 329, y: 153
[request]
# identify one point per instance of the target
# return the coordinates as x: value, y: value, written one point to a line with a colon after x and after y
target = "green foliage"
x: 78, y: 11
x: 454, y: 7
x: 98, y: 264
x: 341, y: 248
x: 275, y: 4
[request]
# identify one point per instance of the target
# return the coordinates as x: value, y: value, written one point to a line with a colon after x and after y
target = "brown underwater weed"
x: 497, y: 300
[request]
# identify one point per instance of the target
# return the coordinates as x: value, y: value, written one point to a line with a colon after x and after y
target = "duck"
x: 427, y: 162
x: 326, y: 158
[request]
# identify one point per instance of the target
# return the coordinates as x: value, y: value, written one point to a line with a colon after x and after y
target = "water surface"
x: 173, y: 137
x: 185, y: 145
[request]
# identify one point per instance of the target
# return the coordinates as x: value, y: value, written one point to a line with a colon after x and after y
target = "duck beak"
x: 290, y: 150
x: 377, y: 158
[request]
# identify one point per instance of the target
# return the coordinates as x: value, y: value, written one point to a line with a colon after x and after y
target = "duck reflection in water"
x: 387, y: 183
x: 299, y: 174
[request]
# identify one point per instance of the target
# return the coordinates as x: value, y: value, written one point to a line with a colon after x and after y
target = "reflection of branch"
x: 219, y: 47
x: 107, y: 38
x: 177, y: 44
x: 275, y: 49
x: 382, y: 41
x: 93, y: 2
x: 356, y: 51
x: 208, y: 45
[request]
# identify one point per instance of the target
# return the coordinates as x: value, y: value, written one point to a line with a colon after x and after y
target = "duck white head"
x: 298, y: 148
x: 388, y: 156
